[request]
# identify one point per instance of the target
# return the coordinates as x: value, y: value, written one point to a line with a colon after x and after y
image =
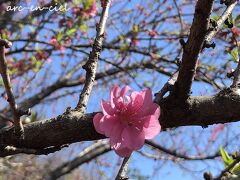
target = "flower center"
x: 126, y: 121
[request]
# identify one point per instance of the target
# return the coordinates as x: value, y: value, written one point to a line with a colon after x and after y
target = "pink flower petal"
x: 116, y: 91
x: 124, y: 90
x: 113, y: 94
x: 108, y: 123
x: 133, y: 138
x: 96, y: 122
x: 153, y: 127
x: 155, y: 112
x: 118, y: 103
x: 122, y: 150
x: 136, y: 103
x: 147, y: 110
x: 147, y: 96
x: 116, y: 134
x: 128, y: 119
x: 106, y: 108
x: 148, y: 107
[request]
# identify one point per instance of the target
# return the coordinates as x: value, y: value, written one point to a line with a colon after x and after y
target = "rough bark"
x: 193, y: 47
x: 72, y: 127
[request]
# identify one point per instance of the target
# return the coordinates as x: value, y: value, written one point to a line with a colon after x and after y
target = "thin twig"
x: 228, y: 169
x: 86, y: 155
x: 123, y: 170
x: 6, y: 81
x: 11, y: 150
x: 221, y: 20
x: 178, y: 155
x: 91, y: 64
x: 180, y: 18
x: 166, y: 88
x: 236, y: 75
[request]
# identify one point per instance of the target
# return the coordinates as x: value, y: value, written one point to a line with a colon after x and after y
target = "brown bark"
x: 72, y: 127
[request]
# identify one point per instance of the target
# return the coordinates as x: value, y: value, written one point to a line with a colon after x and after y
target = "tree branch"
x: 236, y: 75
x: 85, y: 156
x: 167, y: 87
x: 177, y: 155
x: 11, y: 150
x: 91, y: 65
x: 193, y: 48
x: 74, y: 127
x: 221, y: 20
x: 6, y: 81
x: 123, y: 170
x: 228, y: 169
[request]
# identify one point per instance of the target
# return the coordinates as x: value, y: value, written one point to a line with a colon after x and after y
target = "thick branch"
x: 193, y: 47
x: 201, y: 110
x: 72, y: 127
x: 64, y: 129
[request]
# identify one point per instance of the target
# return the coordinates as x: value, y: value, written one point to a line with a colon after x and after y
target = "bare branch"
x: 221, y: 20
x: 236, y: 75
x: 103, y: 147
x: 91, y: 65
x: 11, y: 150
x: 67, y: 82
x: 85, y: 156
x: 180, y: 18
x: 167, y: 87
x: 193, y: 47
x: 228, y: 168
x: 177, y: 155
x: 6, y: 80
x: 74, y: 127
x: 123, y: 170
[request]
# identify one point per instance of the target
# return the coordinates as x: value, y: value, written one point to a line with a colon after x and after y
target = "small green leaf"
x: 71, y: 31
x: 84, y: 28
x: 87, y: 4
x: 231, y: 19
x: 226, y: 158
x: 234, y: 54
x: 147, y: 83
x: 135, y: 28
x: 215, y: 18
x: 236, y: 169
x: 59, y: 35
x: 124, y: 47
x: 34, y: 117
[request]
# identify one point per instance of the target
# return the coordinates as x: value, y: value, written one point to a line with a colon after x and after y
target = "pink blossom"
x: 91, y: 11
x: 135, y: 42
x: 53, y: 42
x: 152, y: 33
x: 128, y: 119
x: 236, y: 31
x: 215, y: 132
x: 56, y: 45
